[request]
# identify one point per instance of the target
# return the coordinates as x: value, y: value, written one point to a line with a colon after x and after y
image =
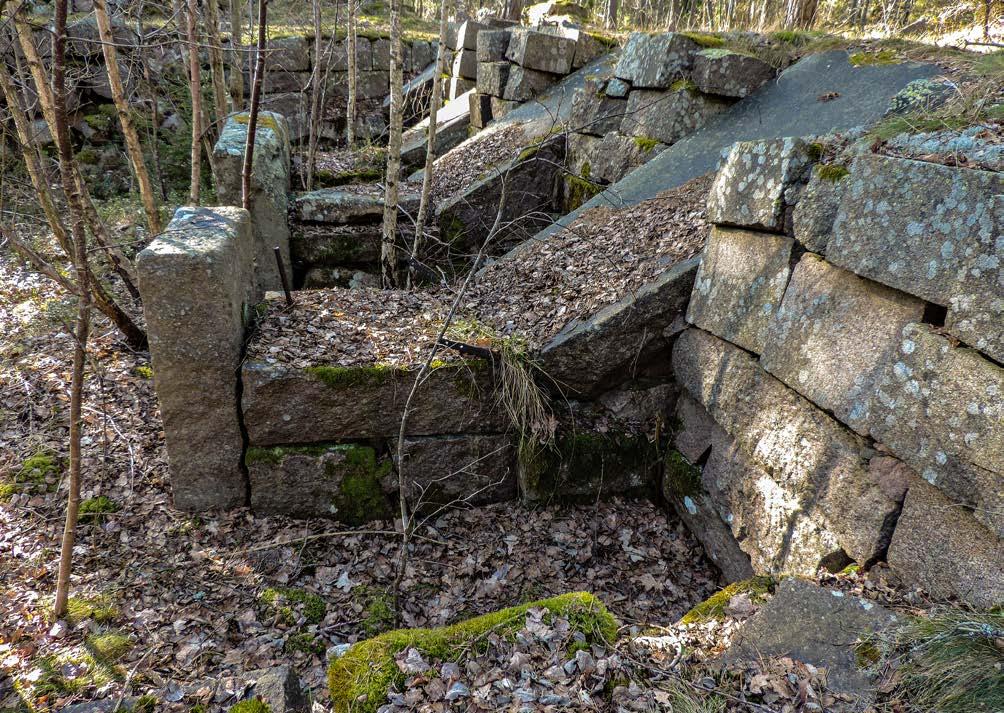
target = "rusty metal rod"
x: 282, y: 276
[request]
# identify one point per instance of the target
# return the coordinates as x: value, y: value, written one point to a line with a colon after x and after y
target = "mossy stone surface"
x: 713, y: 608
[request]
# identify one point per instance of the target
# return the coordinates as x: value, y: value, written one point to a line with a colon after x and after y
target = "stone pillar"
x: 269, y: 188
x: 197, y: 283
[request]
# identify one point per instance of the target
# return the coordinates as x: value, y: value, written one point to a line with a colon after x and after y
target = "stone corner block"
x: 654, y: 61
x: 541, y: 51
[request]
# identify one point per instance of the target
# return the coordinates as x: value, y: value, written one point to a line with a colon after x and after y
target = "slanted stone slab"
x: 833, y: 336
x: 464, y: 469
x: 335, y: 245
x: 197, y: 282
x: 729, y: 74
x: 452, y: 123
x: 492, y: 45
x: 816, y: 626
x: 939, y: 546
x: 492, y: 77
x: 465, y: 64
x: 940, y: 409
x: 467, y: 35
x: 749, y: 190
x: 816, y: 210
x: 524, y: 84
x: 614, y: 156
x: 740, y: 284
x: 341, y: 482
x: 541, y: 52
x: 595, y: 113
x: 332, y: 205
x: 269, y: 188
x: 655, y: 61
x: 586, y: 354
x: 819, y: 463
x: 668, y: 116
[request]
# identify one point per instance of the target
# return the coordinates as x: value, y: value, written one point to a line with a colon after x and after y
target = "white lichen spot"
x: 689, y: 504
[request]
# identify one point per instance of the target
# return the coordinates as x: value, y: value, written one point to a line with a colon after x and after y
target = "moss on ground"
x: 99, y: 609
x: 283, y: 603
x: 879, y: 57
x: 682, y: 478
x: 252, y: 705
x: 303, y: 642
x: 108, y: 646
x: 96, y: 510
x: 144, y: 372
x: 713, y: 608
x: 831, y: 172
x: 37, y: 468
x: 360, y: 679
x: 378, y: 608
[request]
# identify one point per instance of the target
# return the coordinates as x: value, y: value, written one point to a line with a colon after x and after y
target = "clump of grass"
x: 108, y: 646
x: 951, y: 661
x: 645, y: 143
x: 99, y: 609
x: 704, y: 39
x: 284, y: 601
x: 96, y: 510
x: 252, y: 705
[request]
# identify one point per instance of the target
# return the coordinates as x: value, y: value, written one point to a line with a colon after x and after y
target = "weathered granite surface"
x: 541, y: 51
x: 464, y: 469
x: 595, y: 113
x: 668, y: 116
x: 524, y: 84
x: 492, y: 77
x: 729, y: 74
x: 655, y: 61
x: 334, y: 205
x: 816, y: 210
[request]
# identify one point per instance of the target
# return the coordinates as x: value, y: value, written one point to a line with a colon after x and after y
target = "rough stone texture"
x: 458, y: 86
x: 317, y: 481
x: 928, y: 230
x: 465, y: 64
x: 740, y: 284
x: 617, y: 88
x: 668, y: 116
x: 595, y: 113
x: 295, y: 107
x: 749, y: 189
x: 940, y: 409
x: 381, y: 54
x: 492, y: 77
x: 655, y: 61
x: 337, y: 245
x: 729, y: 74
x: 452, y: 122
x: 468, y: 33
x: 587, y: 354
x: 364, y: 55
x: 281, y: 81
x: 541, y: 52
x: 833, y: 336
x: 816, y: 462
x: 817, y: 626
x: 197, y: 280
x: 481, y: 110
x: 332, y: 205
x: 460, y: 469
x: 816, y: 211
x: 524, y: 84
x: 587, y: 48
x: 84, y: 40
x: 939, y: 546
x: 288, y: 54
x: 269, y: 188
x: 286, y: 405
x: 492, y: 45
x: 614, y: 156
x: 280, y: 689
x: 501, y: 107
x: 423, y: 54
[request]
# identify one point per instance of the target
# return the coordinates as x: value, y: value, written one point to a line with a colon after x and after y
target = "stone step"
x: 335, y: 245
x: 365, y: 204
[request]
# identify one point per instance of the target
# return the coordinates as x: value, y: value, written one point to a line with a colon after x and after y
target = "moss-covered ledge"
x: 360, y: 679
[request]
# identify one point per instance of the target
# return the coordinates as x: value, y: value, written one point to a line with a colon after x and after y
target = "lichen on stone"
x: 682, y: 478
x: 831, y: 172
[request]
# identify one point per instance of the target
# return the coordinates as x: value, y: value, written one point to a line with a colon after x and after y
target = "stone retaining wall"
x: 844, y: 398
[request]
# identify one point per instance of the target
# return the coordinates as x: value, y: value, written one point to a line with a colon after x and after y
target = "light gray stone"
x: 940, y: 409
x: 280, y: 689
x: 501, y: 107
x: 540, y: 51
x: 84, y: 40
x: 465, y: 469
x: 288, y: 54
x: 749, y: 190
x: 655, y: 61
x: 465, y: 64
x: 334, y: 205
x: 295, y: 107
x: 423, y: 54
x: 818, y: 463
x: 492, y: 45
x: 587, y: 48
x: 740, y: 284
x: 816, y: 211
x: 467, y: 35
x: 617, y: 88
x: 197, y: 283
x: 668, y: 116
x: 280, y: 81
x: 729, y: 74
x: 452, y: 124
x: 833, y: 336
x: 269, y: 188
x: 595, y: 113
x: 492, y: 77
x: 939, y: 546
x: 525, y: 84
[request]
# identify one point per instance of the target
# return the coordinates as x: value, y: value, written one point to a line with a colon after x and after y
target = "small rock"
x: 457, y: 690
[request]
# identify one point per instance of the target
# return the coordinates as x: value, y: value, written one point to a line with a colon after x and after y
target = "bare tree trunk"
x: 256, y: 81
x: 513, y: 10
x: 430, y: 148
x: 195, y: 86
x: 800, y: 14
x: 217, y: 73
x: 350, y: 58
x: 129, y: 133
x: 610, y: 21
x: 236, y: 56
x: 315, y: 97
x: 388, y: 248
x: 83, y: 322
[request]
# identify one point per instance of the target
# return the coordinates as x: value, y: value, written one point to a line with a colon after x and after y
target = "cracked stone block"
x: 740, y: 284
x: 819, y: 463
x: 816, y: 211
x: 492, y: 77
x: 269, y: 188
x: 749, y: 190
x: 473, y: 469
x: 197, y: 282
x: 465, y: 64
x: 655, y: 61
x: 492, y: 45
x: 540, y: 51
x: 587, y: 48
x: 729, y: 74
x: 939, y: 546
x: 594, y: 112
x: 833, y: 335
x: 614, y: 156
x: 940, y: 408
x: 525, y: 84
x: 481, y: 109
x: 668, y: 116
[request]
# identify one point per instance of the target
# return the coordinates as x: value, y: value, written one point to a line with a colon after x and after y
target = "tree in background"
x: 195, y: 88
x: 388, y: 248
x: 350, y: 63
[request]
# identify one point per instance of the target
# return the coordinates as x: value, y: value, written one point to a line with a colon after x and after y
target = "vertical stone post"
x: 269, y: 188
x: 197, y: 283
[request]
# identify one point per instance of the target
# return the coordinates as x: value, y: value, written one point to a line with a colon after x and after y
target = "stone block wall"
x: 844, y: 393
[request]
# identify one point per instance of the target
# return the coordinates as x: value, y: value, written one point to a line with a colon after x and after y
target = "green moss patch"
x: 378, y: 608
x: 645, y: 143
x: 37, y: 469
x: 252, y: 705
x: 108, y: 646
x: 96, y: 510
x: 144, y: 372
x: 704, y: 39
x: 360, y: 496
x: 359, y: 680
x: 682, y: 478
x: 100, y: 609
x: 831, y: 172
x: 681, y: 85
x: 580, y: 190
x: 713, y: 608
x: 303, y: 642
x: 866, y: 59
x: 339, y: 377
x: 285, y: 603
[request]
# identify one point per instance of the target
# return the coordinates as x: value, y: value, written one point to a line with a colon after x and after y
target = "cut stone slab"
x: 833, y: 335
x: 458, y: 86
x: 501, y: 107
x: 816, y: 211
x: 729, y: 74
x: 281, y: 81
x: 467, y: 35
x: 269, y: 188
x: 481, y: 110
x: 346, y: 277
x: 595, y: 113
x: 320, y: 404
x: 465, y: 64
x: 587, y: 354
x: 614, y: 156
x: 816, y: 626
x: 341, y: 482
x: 655, y: 61
x: 197, y: 281
x: 668, y: 116
x: 940, y: 409
x: 818, y: 461
x: 452, y: 122
x: 336, y: 245
x: 541, y: 52
x: 295, y: 106
x: 939, y: 546
x: 332, y: 205
x: 524, y: 84
x: 287, y: 54
x: 492, y: 77
x: 740, y: 284
x: 492, y: 45
x: 381, y: 54
x: 749, y: 190
x: 339, y: 55
x: 459, y: 469
x: 587, y: 48
x: 423, y: 54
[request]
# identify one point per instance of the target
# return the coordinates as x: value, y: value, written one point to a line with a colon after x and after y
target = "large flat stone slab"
x: 459, y: 470
x: 833, y: 336
x: 452, y: 122
x: 740, y: 284
x: 667, y: 116
x: 655, y: 61
x: 334, y: 205
x: 524, y: 84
